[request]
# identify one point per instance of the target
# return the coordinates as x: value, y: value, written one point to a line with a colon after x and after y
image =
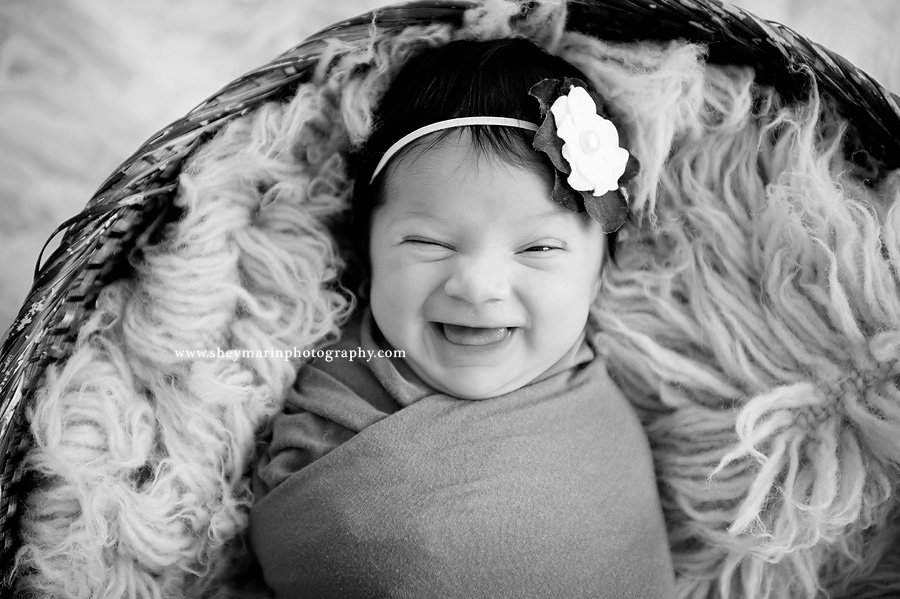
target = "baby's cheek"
x: 397, y: 299
x: 562, y: 309
x: 572, y: 289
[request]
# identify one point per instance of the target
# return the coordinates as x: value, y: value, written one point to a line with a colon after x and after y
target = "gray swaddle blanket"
x: 373, y: 485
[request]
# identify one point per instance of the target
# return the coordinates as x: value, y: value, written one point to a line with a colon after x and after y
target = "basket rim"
x: 136, y: 198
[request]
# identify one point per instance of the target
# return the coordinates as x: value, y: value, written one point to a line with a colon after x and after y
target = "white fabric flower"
x: 591, y: 143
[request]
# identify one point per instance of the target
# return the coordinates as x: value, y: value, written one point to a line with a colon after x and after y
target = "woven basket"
x: 132, y: 205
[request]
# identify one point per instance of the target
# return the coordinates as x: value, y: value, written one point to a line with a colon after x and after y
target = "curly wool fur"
x: 250, y: 266
x: 752, y: 319
x: 757, y: 327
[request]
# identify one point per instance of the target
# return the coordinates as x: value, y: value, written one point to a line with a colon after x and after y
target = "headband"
x: 448, y: 124
x: 592, y: 173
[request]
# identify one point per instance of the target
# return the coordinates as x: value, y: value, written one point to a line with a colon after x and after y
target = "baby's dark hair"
x: 460, y: 79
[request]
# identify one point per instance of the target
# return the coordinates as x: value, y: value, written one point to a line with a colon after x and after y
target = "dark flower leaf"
x: 601, y: 105
x: 568, y: 83
x: 546, y: 91
x: 610, y: 209
x: 632, y: 168
x: 564, y: 195
x: 547, y: 141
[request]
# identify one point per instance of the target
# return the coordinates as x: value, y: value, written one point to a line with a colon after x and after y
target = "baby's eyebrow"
x: 417, y: 213
x: 413, y: 215
x: 555, y: 212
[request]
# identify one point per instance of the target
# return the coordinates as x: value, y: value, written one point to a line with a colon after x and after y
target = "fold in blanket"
x: 398, y: 491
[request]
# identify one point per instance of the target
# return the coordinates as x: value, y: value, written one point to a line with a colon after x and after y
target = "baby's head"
x: 481, y: 278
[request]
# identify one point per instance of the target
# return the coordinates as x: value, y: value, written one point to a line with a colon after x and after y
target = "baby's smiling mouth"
x: 463, y: 335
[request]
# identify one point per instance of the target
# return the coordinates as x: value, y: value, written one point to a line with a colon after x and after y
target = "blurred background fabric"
x: 84, y: 83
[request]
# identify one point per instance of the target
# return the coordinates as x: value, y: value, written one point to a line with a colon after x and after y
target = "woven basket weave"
x: 132, y: 204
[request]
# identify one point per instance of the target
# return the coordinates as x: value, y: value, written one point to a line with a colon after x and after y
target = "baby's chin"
x: 468, y: 383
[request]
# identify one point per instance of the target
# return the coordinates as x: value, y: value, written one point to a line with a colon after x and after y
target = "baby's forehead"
x: 453, y: 181
x: 470, y: 218
x: 410, y: 208
x: 479, y: 148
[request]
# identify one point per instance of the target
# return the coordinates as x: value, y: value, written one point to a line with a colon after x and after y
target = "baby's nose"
x: 478, y: 280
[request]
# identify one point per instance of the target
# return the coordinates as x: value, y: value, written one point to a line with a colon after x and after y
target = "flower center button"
x: 590, y: 141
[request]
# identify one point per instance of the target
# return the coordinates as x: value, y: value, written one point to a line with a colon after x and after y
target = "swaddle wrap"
x: 375, y: 486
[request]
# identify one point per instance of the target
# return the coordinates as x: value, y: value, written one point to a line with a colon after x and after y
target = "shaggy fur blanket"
x: 82, y: 84
x: 752, y: 320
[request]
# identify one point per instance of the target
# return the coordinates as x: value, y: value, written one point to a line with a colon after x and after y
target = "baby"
x: 496, y: 459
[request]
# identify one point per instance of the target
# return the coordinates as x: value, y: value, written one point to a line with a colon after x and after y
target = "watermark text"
x: 290, y: 354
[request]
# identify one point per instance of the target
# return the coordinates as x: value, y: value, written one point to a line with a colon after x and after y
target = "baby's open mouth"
x: 461, y: 335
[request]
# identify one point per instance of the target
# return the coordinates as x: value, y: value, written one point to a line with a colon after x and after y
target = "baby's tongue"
x: 474, y: 336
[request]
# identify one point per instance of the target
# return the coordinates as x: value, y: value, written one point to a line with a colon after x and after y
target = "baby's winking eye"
x: 426, y: 243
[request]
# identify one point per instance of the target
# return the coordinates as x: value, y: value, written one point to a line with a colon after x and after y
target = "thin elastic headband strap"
x: 448, y: 124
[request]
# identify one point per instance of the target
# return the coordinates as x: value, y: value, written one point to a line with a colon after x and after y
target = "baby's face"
x: 477, y: 275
